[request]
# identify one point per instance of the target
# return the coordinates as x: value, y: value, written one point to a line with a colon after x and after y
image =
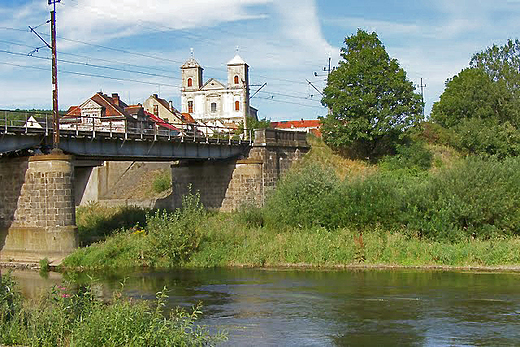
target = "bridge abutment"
x: 37, y: 213
x: 231, y: 184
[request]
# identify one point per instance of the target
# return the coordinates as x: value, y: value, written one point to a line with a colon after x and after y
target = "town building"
x: 310, y: 126
x: 215, y: 103
x: 104, y: 113
x: 163, y: 109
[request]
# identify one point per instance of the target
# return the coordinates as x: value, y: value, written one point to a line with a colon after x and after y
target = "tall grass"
x: 474, y: 198
x: 96, y: 221
x: 166, y: 239
x: 465, y: 213
x: 76, y: 317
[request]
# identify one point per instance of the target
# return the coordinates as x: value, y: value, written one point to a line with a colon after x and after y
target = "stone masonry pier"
x: 37, y: 216
x: 228, y: 185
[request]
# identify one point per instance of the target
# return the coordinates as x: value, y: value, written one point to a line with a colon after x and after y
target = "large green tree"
x: 488, y: 89
x: 371, y: 101
x: 482, y: 103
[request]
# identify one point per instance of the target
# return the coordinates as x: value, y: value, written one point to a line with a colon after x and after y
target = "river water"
x: 336, y: 308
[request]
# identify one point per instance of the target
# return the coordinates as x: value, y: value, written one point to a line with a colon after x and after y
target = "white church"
x: 214, y: 102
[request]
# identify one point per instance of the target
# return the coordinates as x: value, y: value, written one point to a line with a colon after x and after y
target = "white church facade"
x: 214, y: 102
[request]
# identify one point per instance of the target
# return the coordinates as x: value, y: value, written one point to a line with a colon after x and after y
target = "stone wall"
x: 38, y: 213
x: 228, y: 185
x: 12, y: 178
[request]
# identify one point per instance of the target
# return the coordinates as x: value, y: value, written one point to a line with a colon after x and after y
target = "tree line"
x: 374, y: 110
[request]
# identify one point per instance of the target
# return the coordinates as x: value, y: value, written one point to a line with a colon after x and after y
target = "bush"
x: 95, y: 221
x: 305, y: 197
x: 412, y: 157
x: 174, y: 236
x: 487, y: 138
x: 10, y: 299
x: 162, y: 182
x: 75, y: 317
x: 476, y: 198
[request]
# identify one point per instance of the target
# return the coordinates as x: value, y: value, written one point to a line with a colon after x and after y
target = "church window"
x: 236, y: 80
x: 190, y: 82
x: 213, y: 107
x: 237, y: 105
x: 190, y: 106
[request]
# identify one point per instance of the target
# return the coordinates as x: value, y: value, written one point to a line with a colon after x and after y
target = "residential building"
x: 104, y: 113
x: 163, y: 109
x: 310, y: 126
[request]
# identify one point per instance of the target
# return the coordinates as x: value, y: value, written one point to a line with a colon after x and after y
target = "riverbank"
x: 225, y: 240
x: 455, y: 212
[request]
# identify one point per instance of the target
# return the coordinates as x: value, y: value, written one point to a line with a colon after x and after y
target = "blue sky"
x: 284, y: 42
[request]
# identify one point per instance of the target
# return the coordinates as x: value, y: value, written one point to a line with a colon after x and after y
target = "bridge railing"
x: 34, y: 121
x: 26, y: 120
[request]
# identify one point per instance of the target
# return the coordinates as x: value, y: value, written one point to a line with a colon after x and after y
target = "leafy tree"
x: 470, y: 94
x: 482, y: 103
x: 253, y: 123
x: 370, y: 99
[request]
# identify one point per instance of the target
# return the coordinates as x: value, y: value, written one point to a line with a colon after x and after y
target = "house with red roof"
x: 106, y: 113
x: 309, y: 126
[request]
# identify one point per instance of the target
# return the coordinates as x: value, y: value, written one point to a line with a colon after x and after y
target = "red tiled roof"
x: 111, y: 109
x: 160, y: 121
x: 313, y: 123
x: 74, y: 111
x: 188, y: 118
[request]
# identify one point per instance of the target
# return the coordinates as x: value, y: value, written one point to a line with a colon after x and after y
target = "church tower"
x: 191, y: 75
x: 238, y: 80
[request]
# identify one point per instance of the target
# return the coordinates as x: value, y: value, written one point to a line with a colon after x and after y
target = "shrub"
x: 162, y: 182
x: 251, y: 216
x: 476, y: 198
x: 412, y: 157
x: 76, y: 317
x: 10, y: 299
x: 487, y: 138
x: 305, y: 197
x: 95, y: 221
x: 173, y: 236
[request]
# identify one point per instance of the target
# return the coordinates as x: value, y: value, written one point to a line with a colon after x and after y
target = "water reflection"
x: 341, y: 308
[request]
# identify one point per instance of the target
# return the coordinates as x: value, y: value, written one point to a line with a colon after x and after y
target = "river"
x: 335, y: 308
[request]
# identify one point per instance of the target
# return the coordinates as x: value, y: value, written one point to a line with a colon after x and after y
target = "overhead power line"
x: 289, y: 102
x: 92, y: 75
x: 89, y: 65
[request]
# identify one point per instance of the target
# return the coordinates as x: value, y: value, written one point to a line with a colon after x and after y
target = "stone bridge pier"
x: 230, y: 184
x: 37, y: 213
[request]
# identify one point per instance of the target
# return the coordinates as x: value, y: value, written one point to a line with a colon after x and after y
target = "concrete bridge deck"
x: 145, y: 145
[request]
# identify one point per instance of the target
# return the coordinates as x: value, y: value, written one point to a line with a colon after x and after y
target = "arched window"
x: 237, y: 105
x: 190, y: 106
x: 236, y: 80
x: 190, y: 82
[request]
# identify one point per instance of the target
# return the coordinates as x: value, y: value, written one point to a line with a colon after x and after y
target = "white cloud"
x: 101, y: 20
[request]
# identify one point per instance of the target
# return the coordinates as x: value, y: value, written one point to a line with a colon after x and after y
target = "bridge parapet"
x: 280, y: 138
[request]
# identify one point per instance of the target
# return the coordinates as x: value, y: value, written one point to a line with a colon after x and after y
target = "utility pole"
x: 328, y: 69
x: 55, y: 111
x: 422, y: 86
